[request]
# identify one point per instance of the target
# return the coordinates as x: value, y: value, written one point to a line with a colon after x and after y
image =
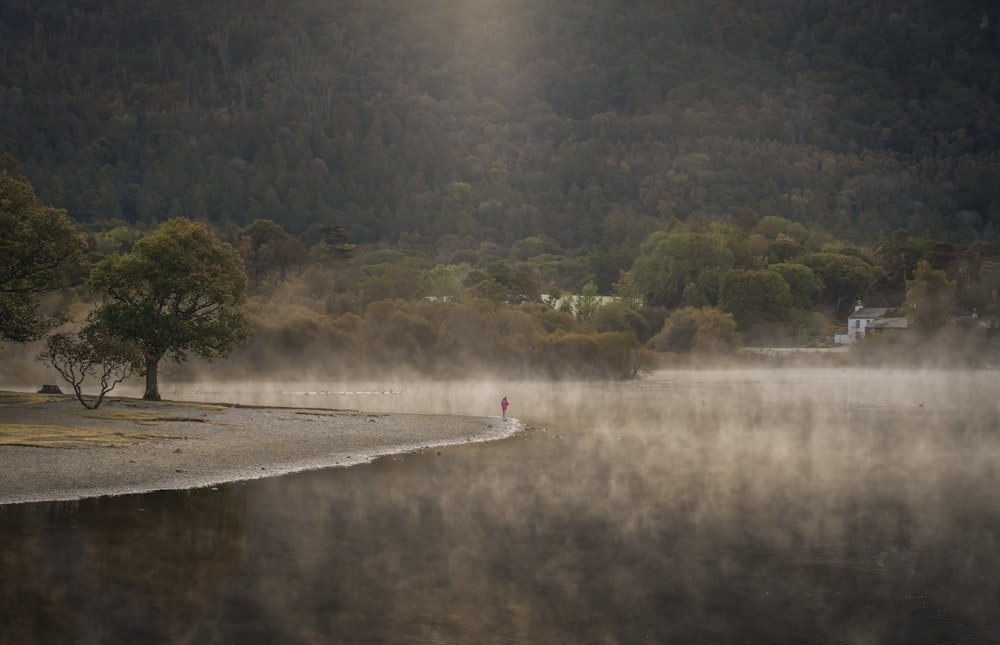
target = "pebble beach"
x: 53, y: 449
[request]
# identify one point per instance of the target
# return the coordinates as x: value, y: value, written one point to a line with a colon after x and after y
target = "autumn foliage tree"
x: 690, y: 329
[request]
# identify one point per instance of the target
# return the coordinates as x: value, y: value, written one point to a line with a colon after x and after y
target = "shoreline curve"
x: 52, y: 449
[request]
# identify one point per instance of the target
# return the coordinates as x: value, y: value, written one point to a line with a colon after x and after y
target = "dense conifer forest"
x: 504, y: 119
x: 360, y: 152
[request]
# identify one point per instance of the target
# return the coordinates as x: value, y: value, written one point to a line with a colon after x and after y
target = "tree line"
x: 276, y: 304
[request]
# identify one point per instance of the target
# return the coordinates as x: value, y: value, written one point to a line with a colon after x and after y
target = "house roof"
x: 868, y: 313
x: 888, y: 323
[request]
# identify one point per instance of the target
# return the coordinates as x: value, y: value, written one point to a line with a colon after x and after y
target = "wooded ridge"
x: 403, y: 180
x: 591, y: 122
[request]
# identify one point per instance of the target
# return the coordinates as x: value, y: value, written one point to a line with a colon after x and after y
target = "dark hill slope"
x: 591, y: 122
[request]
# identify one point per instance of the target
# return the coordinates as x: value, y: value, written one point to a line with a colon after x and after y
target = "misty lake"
x: 711, y: 506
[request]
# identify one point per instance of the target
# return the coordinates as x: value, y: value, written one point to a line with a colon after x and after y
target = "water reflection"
x: 128, y: 569
x: 729, y: 509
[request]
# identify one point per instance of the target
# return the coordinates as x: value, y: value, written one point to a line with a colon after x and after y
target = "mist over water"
x: 838, y: 505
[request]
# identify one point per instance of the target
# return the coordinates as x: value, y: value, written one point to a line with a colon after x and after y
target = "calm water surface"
x: 705, y: 507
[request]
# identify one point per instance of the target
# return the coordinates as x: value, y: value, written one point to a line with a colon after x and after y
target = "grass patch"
x: 25, y: 398
x: 144, y: 417
x: 22, y: 398
x: 47, y: 436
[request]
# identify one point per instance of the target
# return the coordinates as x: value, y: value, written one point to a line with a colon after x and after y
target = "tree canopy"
x: 755, y: 297
x: 930, y: 296
x: 845, y: 277
x: 40, y: 249
x: 690, y: 329
x: 682, y: 267
x: 179, y: 290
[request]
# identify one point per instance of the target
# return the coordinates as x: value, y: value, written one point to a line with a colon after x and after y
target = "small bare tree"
x: 95, y: 355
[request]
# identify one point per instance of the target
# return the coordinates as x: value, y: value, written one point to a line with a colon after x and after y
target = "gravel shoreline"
x: 52, y: 449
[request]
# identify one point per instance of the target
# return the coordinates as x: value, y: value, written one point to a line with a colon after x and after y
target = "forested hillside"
x: 434, y: 123
x: 403, y: 181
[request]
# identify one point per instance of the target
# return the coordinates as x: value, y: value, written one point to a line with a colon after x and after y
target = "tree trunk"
x: 152, y: 387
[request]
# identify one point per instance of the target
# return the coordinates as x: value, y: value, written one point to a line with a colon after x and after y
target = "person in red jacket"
x: 503, y: 406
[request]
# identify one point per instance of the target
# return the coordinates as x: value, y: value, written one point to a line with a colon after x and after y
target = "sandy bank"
x: 51, y: 448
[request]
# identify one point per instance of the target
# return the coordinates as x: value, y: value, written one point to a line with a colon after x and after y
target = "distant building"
x: 571, y: 303
x: 869, y: 320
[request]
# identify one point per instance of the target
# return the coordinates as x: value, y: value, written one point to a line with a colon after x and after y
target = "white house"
x: 868, y: 320
x: 570, y: 303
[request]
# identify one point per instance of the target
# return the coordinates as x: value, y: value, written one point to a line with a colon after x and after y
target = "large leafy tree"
x: 805, y: 285
x: 755, y: 297
x: 268, y: 251
x: 179, y: 290
x: 681, y: 267
x: 845, y: 277
x: 930, y: 296
x: 40, y: 249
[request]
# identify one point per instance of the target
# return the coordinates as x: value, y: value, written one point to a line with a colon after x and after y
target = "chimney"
x: 858, y: 305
